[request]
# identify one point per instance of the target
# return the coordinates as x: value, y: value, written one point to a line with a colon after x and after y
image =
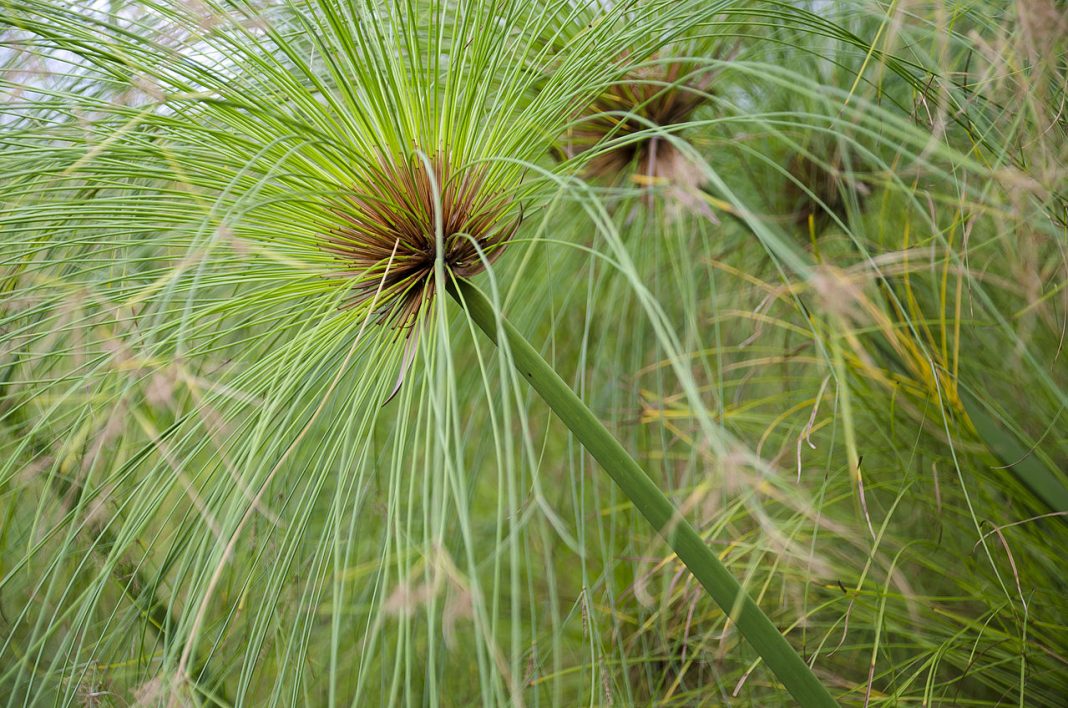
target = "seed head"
x: 654, y: 95
x: 826, y: 180
x: 387, y: 237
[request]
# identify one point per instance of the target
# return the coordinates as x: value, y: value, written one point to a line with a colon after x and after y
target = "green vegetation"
x: 799, y: 269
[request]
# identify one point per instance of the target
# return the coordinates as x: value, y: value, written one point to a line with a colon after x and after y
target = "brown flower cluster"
x: 388, y: 239
x: 826, y: 182
x: 661, y: 94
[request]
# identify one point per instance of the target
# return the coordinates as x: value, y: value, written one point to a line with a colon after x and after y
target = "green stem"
x: 651, y: 502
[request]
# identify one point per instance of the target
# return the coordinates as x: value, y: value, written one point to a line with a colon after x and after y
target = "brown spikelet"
x: 386, y: 239
x: 661, y: 94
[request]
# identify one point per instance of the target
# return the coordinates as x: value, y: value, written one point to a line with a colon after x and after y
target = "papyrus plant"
x: 227, y: 230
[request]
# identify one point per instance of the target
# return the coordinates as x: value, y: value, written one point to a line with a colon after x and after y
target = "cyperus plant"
x: 661, y: 94
x: 255, y: 449
x: 251, y: 213
x: 388, y: 240
x: 420, y: 223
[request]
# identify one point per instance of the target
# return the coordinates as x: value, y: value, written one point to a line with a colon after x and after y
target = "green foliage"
x: 829, y: 321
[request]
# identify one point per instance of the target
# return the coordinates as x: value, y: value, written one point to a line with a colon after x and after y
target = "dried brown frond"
x: 387, y: 238
x: 662, y: 94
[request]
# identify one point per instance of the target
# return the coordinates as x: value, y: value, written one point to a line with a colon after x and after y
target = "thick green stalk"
x: 1015, y: 455
x: 651, y: 502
